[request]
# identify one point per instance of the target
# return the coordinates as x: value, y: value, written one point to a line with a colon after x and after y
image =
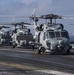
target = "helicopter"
x: 21, y: 35
x: 4, y: 36
x: 50, y: 36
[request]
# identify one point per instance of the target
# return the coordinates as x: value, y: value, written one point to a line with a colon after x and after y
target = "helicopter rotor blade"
x: 33, y: 12
x: 4, y: 27
x: 32, y: 15
x: 11, y: 16
x: 16, y: 23
x: 63, y: 17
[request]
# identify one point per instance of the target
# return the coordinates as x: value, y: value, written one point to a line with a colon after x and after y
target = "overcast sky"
x: 25, y: 8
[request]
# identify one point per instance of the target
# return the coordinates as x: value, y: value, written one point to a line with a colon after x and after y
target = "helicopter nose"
x: 60, y: 45
x: 61, y: 42
x: 48, y: 43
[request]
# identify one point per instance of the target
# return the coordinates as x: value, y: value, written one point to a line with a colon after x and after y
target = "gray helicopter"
x: 50, y: 36
x: 21, y: 35
x: 4, y: 36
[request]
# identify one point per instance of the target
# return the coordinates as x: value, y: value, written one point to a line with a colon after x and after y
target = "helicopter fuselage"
x: 22, y: 36
x: 52, y: 38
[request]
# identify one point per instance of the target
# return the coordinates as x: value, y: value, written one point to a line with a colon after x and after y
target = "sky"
x: 26, y: 7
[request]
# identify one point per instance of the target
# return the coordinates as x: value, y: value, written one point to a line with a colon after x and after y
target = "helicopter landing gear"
x: 33, y: 47
x: 68, y: 51
x: 14, y: 45
x: 40, y: 50
x: 0, y: 45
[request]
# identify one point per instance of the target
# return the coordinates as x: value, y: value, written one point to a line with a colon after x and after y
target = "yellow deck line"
x: 20, y: 66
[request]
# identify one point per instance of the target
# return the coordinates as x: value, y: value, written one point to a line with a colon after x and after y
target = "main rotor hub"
x: 51, y: 17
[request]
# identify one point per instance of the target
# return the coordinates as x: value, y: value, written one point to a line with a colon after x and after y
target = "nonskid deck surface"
x: 26, y: 62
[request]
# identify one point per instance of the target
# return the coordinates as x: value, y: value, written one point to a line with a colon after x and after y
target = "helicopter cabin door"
x: 42, y: 38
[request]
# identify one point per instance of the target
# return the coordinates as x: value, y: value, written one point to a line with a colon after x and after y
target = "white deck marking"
x: 52, y: 72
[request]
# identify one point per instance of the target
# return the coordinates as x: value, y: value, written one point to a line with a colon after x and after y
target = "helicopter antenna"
x: 13, y: 19
x: 33, y: 12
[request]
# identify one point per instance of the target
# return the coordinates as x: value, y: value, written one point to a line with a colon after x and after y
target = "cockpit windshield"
x: 54, y: 34
x: 20, y: 33
x: 51, y: 35
x: 57, y: 34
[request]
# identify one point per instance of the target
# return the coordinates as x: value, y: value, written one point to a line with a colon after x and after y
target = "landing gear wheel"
x: 39, y: 52
x: 14, y: 45
x: 0, y: 45
x: 41, y: 49
x: 68, y: 51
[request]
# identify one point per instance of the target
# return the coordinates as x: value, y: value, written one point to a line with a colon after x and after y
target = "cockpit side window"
x: 65, y: 34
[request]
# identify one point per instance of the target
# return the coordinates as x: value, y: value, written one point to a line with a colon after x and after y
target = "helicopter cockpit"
x: 23, y: 32
x: 57, y: 34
